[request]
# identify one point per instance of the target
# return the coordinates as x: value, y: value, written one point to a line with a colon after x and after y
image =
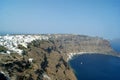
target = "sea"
x: 96, y: 66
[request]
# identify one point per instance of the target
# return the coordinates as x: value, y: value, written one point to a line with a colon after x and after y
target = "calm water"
x: 115, y: 45
x: 96, y: 67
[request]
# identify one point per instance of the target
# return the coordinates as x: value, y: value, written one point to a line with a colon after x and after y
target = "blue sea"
x: 96, y: 67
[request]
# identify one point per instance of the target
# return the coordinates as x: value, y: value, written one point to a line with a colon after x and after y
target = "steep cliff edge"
x: 47, y: 59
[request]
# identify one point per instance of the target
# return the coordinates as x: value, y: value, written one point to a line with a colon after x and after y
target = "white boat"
x: 81, y: 63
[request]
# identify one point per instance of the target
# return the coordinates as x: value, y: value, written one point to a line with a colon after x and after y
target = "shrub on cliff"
x: 21, y: 47
x: 3, y: 49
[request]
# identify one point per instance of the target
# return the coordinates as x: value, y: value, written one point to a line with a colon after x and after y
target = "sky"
x: 88, y: 17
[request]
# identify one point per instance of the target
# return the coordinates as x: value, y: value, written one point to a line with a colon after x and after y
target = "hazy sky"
x: 89, y: 17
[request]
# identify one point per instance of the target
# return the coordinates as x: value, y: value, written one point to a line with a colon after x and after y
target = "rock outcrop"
x: 48, y: 59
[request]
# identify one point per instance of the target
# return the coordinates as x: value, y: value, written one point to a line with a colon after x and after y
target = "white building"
x: 11, y: 42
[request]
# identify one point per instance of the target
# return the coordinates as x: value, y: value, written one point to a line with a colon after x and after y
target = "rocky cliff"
x: 48, y: 59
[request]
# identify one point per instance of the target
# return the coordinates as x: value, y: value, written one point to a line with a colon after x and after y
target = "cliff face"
x: 47, y: 59
x: 78, y: 43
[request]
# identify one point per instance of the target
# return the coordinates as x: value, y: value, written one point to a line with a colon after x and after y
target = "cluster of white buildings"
x: 11, y: 42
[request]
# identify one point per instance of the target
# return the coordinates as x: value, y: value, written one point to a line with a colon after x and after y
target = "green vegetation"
x: 3, y: 49
x: 21, y: 47
x: 35, y: 43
